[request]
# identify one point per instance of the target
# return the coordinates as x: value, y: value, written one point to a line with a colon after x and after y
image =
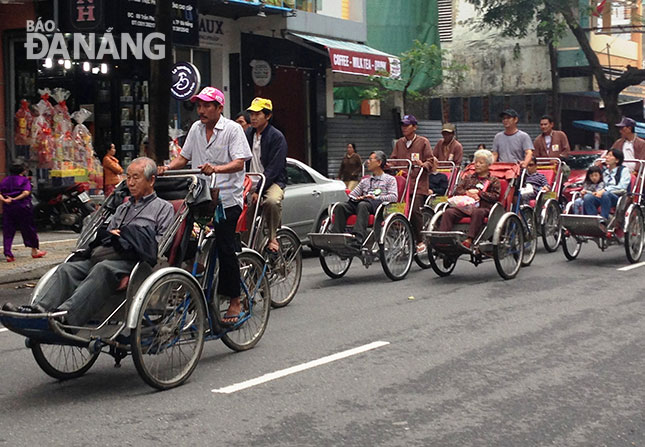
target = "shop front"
x: 94, y: 60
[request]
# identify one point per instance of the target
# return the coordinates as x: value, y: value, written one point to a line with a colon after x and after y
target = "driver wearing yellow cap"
x: 269, y: 149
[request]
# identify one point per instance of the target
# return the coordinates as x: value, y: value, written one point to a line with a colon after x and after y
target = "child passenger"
x: 534, y: 182
x: 592, y: 184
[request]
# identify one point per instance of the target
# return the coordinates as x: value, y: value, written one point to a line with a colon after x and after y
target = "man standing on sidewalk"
x: 417, y: 149
x: 512, y: 145
x: 269, y: 149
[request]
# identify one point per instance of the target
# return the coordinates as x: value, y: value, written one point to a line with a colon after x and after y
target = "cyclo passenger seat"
x: 400, y: 189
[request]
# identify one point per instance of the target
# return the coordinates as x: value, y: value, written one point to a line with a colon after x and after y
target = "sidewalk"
x: 25, y: 268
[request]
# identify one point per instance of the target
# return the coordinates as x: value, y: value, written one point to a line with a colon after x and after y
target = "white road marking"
x: 298, y: 368
x: 631, y: 267
x: 4, y: 329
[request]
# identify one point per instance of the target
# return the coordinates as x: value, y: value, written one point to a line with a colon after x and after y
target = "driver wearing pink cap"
x: 217, y: 145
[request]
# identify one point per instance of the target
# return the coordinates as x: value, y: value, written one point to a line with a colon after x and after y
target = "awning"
x: 602, y: 128
x: 235, y: 9
x: 355, y: 58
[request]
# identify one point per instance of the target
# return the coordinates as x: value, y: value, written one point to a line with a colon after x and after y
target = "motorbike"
x: 62, y: 207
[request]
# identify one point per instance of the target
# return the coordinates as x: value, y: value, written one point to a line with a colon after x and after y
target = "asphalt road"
x: 554, y: 357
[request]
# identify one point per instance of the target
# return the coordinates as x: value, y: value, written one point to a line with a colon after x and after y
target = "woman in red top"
x: 112, y: 171
x: 482, y: 187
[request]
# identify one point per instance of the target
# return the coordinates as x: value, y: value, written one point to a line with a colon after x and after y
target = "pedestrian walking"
x: 350, y: 167
x: 112, y: 171
x: 15, y: 191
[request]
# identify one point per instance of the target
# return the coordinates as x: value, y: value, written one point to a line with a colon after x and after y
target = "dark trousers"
x: 453, y: 215
x: 362, y: 209
x: 18, y: 218
x: 416, y: 217
x: 82, y: 288
x: 225, y: 242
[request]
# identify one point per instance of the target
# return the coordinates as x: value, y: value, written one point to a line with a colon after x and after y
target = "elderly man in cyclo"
x: 366, y: 197
x: 480, y: 186
x: 82, y: 287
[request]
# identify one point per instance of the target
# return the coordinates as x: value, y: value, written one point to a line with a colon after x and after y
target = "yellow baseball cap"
x: 260, y: 103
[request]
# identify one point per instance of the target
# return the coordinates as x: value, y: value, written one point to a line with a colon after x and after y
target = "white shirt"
x: 628, y: 152
x: 227, y: 143
x: 256, y: 163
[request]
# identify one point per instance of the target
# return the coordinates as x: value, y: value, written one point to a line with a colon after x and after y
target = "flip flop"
x: 238, y: 318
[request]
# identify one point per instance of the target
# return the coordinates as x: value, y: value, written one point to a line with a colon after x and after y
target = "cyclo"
x: 435, y: 201
x: 546, y: 206
x: 508, y: 235
x: 285, y: 265
x: 624, y: 226
x: 389, y: 238
x: 163, y: 315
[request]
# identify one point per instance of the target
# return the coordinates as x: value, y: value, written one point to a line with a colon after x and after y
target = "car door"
x: 302, y: 201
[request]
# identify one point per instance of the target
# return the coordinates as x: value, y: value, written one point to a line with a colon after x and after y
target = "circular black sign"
x: 185, y: 80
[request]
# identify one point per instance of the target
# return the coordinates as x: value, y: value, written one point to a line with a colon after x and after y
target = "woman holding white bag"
x: 478, y: 192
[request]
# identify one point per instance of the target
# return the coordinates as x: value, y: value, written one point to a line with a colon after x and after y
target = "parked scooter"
x: 62, y: 207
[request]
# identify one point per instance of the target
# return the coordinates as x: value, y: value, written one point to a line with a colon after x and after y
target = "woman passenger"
x: 482, y: 187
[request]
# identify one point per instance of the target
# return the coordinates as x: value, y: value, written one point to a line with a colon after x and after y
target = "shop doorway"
x: 288, y: 92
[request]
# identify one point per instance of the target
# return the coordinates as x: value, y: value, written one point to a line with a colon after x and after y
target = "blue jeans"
x: 605, y: 202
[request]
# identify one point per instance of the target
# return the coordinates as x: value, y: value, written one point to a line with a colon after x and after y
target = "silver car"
x: 306, y: 197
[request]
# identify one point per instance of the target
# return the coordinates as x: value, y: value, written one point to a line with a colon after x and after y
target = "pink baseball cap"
x: 209, y: 94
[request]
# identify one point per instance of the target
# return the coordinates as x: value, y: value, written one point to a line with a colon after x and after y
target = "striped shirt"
x: 384, y: 185
x: 228, y: 143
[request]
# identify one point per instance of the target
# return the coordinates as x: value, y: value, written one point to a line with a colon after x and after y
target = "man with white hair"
x: 82, y: 287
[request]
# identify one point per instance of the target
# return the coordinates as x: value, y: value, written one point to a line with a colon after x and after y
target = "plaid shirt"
x: 385, y: 182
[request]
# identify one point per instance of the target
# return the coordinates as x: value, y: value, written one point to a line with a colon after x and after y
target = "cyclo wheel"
x: 397, y: 250
x: 634, y: 235
x: 286, y: 269
x: 333, y: 265
x: 256, y: 300
x: 570, y: 245
x: 442, y: 264
x: 530, y: 236
x: 508, y: 252
x: 63, y: 362
x: 168, y: 339
x: 422, y: 258
x: 551, y: 228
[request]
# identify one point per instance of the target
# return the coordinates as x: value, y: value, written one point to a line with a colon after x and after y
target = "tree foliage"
x: 549, y: 20
x: 423, y: 68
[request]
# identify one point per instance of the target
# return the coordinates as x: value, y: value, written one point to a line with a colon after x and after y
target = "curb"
x: 27, y: 275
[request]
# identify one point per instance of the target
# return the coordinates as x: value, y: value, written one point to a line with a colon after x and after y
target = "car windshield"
x: 581, y: 161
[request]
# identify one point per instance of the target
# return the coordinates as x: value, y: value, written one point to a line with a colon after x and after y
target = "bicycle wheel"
x: 333, y: 265
x: 285, y: 269
x: 168, y: 339
x: 256, y: 303
x: 442, y: 264
x: 551, y: 228
x: 530, y: 236
x: 63, y: 362
x: 634, y: 235
x: 570, y: 245
x: 508, y: 252
x: 397, y: 250
x: 422, y: 258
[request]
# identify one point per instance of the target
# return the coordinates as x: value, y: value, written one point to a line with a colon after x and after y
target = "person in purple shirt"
x: 15, y: 191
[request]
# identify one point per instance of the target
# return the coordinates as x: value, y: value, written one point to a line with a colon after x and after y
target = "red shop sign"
x: 366, y: 64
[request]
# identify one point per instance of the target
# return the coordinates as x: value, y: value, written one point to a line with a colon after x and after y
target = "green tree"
x: 549, y: 19
x: 425, y: 61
